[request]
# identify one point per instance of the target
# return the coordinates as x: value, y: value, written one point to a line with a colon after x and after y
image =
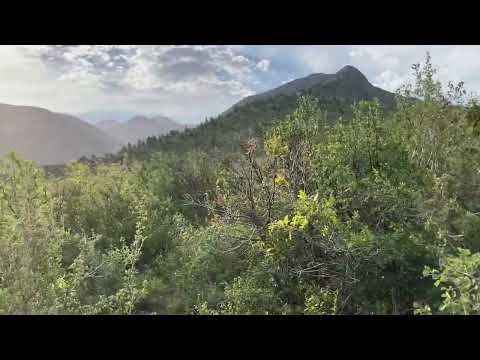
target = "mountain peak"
x: 351, y: 72
x: 347, y: 83
x: 348, y: 68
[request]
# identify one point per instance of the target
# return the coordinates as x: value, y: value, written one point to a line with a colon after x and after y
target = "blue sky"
x: 189, y: 83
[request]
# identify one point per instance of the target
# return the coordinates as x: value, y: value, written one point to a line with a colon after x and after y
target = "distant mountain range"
x: 50, y: 138
x: 94, y: 117
x: 138, y: 128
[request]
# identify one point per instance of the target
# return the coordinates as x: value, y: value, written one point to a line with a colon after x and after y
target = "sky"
x: 189, y: 83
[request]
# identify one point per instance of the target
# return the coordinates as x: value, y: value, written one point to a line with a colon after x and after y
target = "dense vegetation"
x: 375, y: 213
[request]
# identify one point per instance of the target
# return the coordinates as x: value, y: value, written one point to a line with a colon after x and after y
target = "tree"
x: 37, y: 276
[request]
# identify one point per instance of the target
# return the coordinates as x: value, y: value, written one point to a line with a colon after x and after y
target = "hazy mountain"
x: 50, y: 138
x: 251, y: 116
x: 138, y: 128
x: 95, y: 117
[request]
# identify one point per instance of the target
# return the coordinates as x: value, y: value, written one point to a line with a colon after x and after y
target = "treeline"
x: 376, y: 213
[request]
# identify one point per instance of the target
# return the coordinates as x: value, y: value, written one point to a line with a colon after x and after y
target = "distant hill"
x: 94, y: 117
x: 50, y: 138
x: 138, y: 128
x: 251, y: 116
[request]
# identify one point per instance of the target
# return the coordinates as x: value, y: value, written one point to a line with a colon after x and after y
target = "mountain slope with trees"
x: 252, y: 116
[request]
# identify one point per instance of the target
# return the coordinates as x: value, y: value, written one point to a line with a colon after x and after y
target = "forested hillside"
x: 377, y: 212
x: 252, y: 116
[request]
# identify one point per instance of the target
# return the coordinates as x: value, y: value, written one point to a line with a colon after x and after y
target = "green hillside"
x: 252, y: 116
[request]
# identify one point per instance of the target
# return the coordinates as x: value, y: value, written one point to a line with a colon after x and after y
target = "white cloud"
x: 191, y: 82
x: 264, y: 64
x: 389, y: 80
x: 160, y: 78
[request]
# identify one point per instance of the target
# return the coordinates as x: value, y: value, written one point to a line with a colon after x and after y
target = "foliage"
x: 34, y: 278
x: 279, y: 206
x: 458, y: 280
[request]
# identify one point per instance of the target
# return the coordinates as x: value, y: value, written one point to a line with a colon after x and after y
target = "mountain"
x: 94, y: 117
x: 251, y: 116
x: 348, y: 84
x: 50, y: 138
x: 138, y: 128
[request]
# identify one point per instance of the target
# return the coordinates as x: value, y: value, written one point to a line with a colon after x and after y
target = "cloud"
x: 150, y: 68
x: 189, y: 82
x: 388, y: 80
x: 263, y: 65
x: 157, y: 77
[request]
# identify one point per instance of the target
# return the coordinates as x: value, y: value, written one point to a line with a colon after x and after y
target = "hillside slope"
x: 348, y: 84
x: 252, y: 115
